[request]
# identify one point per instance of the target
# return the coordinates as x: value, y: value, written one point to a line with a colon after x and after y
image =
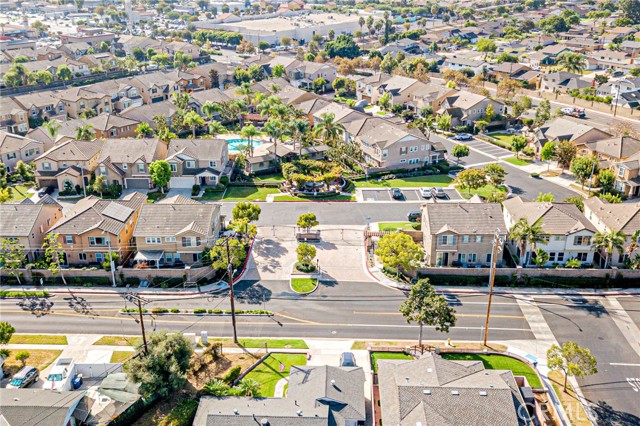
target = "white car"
x: 425, y: 192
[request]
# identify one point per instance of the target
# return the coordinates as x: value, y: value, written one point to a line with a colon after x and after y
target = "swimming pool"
x: 238, y: 145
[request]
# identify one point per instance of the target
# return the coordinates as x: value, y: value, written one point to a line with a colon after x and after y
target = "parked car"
x: 47, y: 190
x: 414, y: 216
x: 396, y: 194
x: 425, y: 192
x: 463, y: 137
x: 24, y: 378
x: 347, y: 359
x: 438, y: 192
x: 451, y: 299
x: 574, y: 112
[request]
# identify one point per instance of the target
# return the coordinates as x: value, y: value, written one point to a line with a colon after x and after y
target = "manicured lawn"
x: 247, y: 193
x: 38, y: 339
x: 276, y: 177
x: 19, y: 192
x: 268, y: 373
x: 505, y: 138
x: 211, y: 196
x: 338, y: 197
x: 304, y: 285
x: 375, y: 356
x: 39, y: 358
x: 501, y: 362
x: 259, y: 343
x: 121, y: 356
x: 518, y: 161
x: 392, y: 226
x: 484, y: 191
x: 118, y: 341
x: 413, y: 182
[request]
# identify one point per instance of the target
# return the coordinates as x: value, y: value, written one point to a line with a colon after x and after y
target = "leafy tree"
x: 193, y: 120
x: 64, y: 73
x: 518, y: 143
x: 607, y: 242
x: 216, y: 128
x: 104, y: 46
x: 85, y: 132
x: 144, y: 130
x: 160, y: 172
x: 471, y: 179
x: 548, y: 153
x: 343, y: 46
x: 528, y: 235
x: 12, y: 257
x: 489, y: 113
x: 54, y: 255
x: 480, y: 125
x: 216, y: 387
x: 572, y: 62
x: 306, y: 253
x: 486, y: 46
x: 547, y: 197
x: 98, y: 184
x: 606, y: 180
x: 507, y: 88
x: 318, y: 84
x: 285, y: 41
x: 218, y: 254
x: 541, y: 257
x: 248, y: 387
x: 163, y: 369
x: 634, y: 243
x: 278, y: 71
x: 630, y: 9
x: 611, y: 198
x: 444, y: 122
x: 6, y: 331
x: 584, y: 167
x: 459, y: 151
x: 425, y: 307
x: 307, y: 221
x: 576, y: 200
x: 553, y: 25
x: 495, y: 173
x: 565, y: 153
x: 399, y: 251
x: 543, y: 113
x: 385, y: 101
x: 246, y: 210
x: 572, y: 359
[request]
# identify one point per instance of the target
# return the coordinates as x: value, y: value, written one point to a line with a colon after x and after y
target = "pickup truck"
x: 574, y: 112
x: 60, y: 375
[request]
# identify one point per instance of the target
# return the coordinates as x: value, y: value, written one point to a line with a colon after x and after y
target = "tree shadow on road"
x: 38, y: 306
x: 608, y: 416
x: 252, y: 294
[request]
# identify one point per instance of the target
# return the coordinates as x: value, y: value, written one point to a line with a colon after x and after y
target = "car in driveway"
x: 414, y: 216
x: 48, y: 190
x: 347, y: 359
x: 24, y: 378
x: 438, y: 192
x: 425, y: 193
x: 396, y: 194
x: 463, y: 137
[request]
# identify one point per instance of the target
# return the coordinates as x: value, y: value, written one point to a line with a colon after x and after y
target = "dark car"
x: 414, y: 216
x: 45, y: 191
x: 24, y: 378
x: 347, y: 359
x: 396, y: 194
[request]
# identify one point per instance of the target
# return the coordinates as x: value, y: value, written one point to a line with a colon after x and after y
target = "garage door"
x: 137, y: 183
x: 181, y: 182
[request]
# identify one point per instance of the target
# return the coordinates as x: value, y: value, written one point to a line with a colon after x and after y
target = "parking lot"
x: 412, y: 194
x: 487, y: 148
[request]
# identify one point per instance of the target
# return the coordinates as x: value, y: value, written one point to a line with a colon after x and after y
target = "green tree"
x: 263, y: 45
x: 480, y: 125
x: 23, y: 356
x: 248, y: 387
x: 486, y: 46
x: 216, y: 387
x: 540, y: 258
x: 584, y: 168
x: 630, y: 9
x: 606, y: 180
x: 144, y: 130
x: 543, y: 113
x: 572, y: 62
x: 344, y: 46
x: 318, y: 84
x: 64, y: 73
x: 459, y: 151
x: 565, y: 153
x: 399, y: 251
x: 216, y: 128
x: 98, y: 184
x: 306, y: 253
x: 286, y: 42
x: 444, y: 122
x: 6, y: 331
x: 425, y: 307
x: 52, y: 127
x: 611, y: 198
x: 164, y: 367
x: 572, y: 359
x: 518, y: 143
x: 528, y: 235
x: 85, y: 132
x: 489, y: 113
x: 329, y: 129
x: 607, y: 242
x: 385, y: 101
x: 218, y: 254
x: 278, y: 71
x: 54, y: 255
x: 246, y: 210
x: 307, y: 221
x: 12, y: 257
x: 104, y: 46
x: 495, y: 173
x: 160, y: 172
x: 576, y: 200
x: 249, y: 132
x: 208, y: 109
x: 471, y: 179
x: 547, y: 197
x: 548, y: 153
x: 193, y: 120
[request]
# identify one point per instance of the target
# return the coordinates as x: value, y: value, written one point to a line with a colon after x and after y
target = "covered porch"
x: 152, y: 258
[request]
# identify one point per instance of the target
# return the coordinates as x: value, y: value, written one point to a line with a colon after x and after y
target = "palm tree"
x: 267, y: 106
x: 298, y: 129
x: 275, y: 130
x: 193, y: 120
x: 215, y: 128
x: 328, y: 129
x: 541, y: 258
x: 245, y: 91
x: 208, y: 109
x: 634, y: 243
x: 52, y: 127
x: 528, y: 235
x: 608, y: 242
x: 85, y: 132
x: 250, y: 132
x: 216, y: 387
x: 572, y: 62
x: 249, y: 387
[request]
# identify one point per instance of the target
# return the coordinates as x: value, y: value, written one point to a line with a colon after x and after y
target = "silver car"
x: 438, y: 192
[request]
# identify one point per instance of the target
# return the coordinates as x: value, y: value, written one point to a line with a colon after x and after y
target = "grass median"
x: 38, y: 339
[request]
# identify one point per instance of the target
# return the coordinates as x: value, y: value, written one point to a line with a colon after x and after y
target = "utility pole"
x: 492, y: 277
x: 615, y: 107
x: 139, y: 301
x: 231, y: 296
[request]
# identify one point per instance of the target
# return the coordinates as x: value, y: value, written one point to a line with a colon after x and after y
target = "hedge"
x: 9, y: 293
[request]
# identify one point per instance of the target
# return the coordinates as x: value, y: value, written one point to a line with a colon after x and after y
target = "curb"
x: 316, y: 276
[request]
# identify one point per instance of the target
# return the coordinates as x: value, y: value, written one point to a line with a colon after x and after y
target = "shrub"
x: 132, y: 310
x: 200, y: 311
x: 159, y: 310
x: 195, y: 190
x: 535, y: 175
x: 224, y: 180
x: 305, y: 267
x: 232, y: 375
x: 175, y: 310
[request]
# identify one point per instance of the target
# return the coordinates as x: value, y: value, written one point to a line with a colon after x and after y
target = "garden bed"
x: 304, y: 285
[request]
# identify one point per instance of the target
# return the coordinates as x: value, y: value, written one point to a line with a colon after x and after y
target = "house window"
x: 198, y: 241
x: 169, y: 239
x: 140, y: 167
x: 472, y: 258
x: 414, y: 161
x: 447, y: 240
x: 153, y: 240
x: 191, y: 164
x: 488, y: 258
x: 413, y: 149
x: 174, y: 167
x: 466, y: 238
x: 403, y: 161
x: 478, y: 238
x: 68, y: 239
x: 82, y: 256
x: 621, y: 172
x: 212, y: 164
x: 582, y: 257
x: 100, y: 257
x: 559, y: 238
x: 581, y: 240
x: 11, y: 156
x: 98, y: 241
x: 561, y: 256
x: 113, y: 132
x: 46, y: 166
x: 462, y: 258
x: 186, y: 242
x: 103, y: 170
x: 403, y: 150
x: 552, y: 256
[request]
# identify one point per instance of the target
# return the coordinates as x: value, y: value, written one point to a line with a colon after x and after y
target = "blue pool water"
x: 235, y: 145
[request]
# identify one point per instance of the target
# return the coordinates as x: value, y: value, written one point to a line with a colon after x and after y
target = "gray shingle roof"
x: 555, y: 218
x: 37, y: 406
x: 129, y: 150
x: 175, y: 216
x: 18, y: 220
x: 464, y: 218
x: 623, y: 217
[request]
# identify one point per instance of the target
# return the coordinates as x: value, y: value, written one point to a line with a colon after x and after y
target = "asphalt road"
x: 614, y: 400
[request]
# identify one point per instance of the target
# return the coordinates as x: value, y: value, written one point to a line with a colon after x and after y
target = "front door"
x: 203, y: 180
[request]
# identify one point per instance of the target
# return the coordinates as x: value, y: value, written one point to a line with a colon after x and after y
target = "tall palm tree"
x: 528, y: 235
x: 52, y: 127
x: 208, y: 109
x: 328, y: 128
x: 215, y: 128
x: 250, y: 132
x: 608, y: 242
x: 85, y: 132
x: 634, y: 243
x: 298, y: 128
x: 246, y: 92
x: 193, y: 120
x: 572, y: 62
x: 275, y: 130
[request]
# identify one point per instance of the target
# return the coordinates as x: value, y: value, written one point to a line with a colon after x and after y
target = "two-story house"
x: 609, y: 151
x: 303, y: 73
x: 562, y: 129
x: 160, y: 86
x: 216, y: 74
x: 627, y: 172
x: 130, y: 42
x: 607, y: 217
x: 14, y: 148
x: 175, y: 229
x: 13, y: 117
x: 42, y: 105
x: 569, y: 234
x: 146, y: 113
x: 401, y: 89
x: 466, y: 107
x: 92, y: 228
x: 28, y: 223
x: 126, y: 162
x: 71, y: 160
x: 196, y: 161
x: 78, y: 100
x: 104, y: 126
x: 367, y: 87
x: 191, y: 50
x: 457, y: 64
x: 123, y: 94
x: 462, y: 234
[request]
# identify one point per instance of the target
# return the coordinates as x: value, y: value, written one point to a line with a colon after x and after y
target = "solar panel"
x: 117, y: 211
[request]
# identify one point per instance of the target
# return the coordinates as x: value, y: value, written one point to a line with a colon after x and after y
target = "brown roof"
x: 554, y: 218
x: 175, y: 216
x: 464, y: 218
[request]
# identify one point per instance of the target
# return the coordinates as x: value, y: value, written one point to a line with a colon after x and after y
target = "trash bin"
x: 77, y: 381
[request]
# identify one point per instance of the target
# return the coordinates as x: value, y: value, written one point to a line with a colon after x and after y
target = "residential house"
x: 435, y: 391
x: 78, y: 100
x: 583, y: 44
x: 77, y: 68
x: 552, y: 52
x: 222, y: 73
x: 405, y: 45
x: 569, y: 234
x: 43, y: 406
x: 123, y: 94
x: 71, y: 160
x: 42, y: 106
x: 563, y: 81
x: 367, y: 88
x: 537, y: 59
x: 146, y: 113
x: 519, y: 72
x: 176, y: 229
x: 103, y: 61
x: 631, y: 47
x: 93, y: 227
x: 430, y: 95
x: 466, y: 107
x: 198, y: 99
x: 627, y: 173
x: 461, y: 233
x: 564, y: 129
x: 316, y: 396
x: 130, y: 42
x: 104, y: 126
x: 197, y: 161
x: 126, y: 162
x: 92, y: 36
x: 191, y: 50
x: 609, y: 151
x: 608, y: 217
x: 28, y: 223
x: 13, y: 117
x: 160, y: 86
x: 76, y: 50
x: 14, y: 148
x: 267, y: 161
x: 400, y: 89
x: 618, y: 60
x: 457, y: 64
x: 305, y: 73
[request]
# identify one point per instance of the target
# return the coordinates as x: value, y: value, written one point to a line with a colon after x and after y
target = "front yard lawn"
x: 504, y: 138
x: 276, y: 177
x: 118, y: 357
x: 393, y: 226
x: 375, y: 356
x: 268, y: 373
x: 484, y: 191
x: 248, y: 193
x: 500, y: 362
x: 304, y: 285
x: 38, y: 339
x: 39, y: 358
x: 412, y: 182
x: 259, y: 343
x: 118, y: 341
x: 19, y: 192
x: 518, y: 161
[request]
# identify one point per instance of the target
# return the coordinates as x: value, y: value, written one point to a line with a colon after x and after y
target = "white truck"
x: 60, y: 375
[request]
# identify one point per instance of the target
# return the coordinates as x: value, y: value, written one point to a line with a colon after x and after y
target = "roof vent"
x: 455, y: 393
x: 264, y: 422
x: 427, y: 391
x: 491, y: 386
x: 483, y: 393
x: 16, y: 399
x: 429, y: 370
x: 333, y: 382
x: 235, y: 411
x: 299, y: 412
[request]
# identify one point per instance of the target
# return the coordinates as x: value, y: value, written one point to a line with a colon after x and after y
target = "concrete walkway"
x: 279, y: 390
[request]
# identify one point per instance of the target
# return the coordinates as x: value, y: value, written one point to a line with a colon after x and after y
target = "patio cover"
x: 148, y: 255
